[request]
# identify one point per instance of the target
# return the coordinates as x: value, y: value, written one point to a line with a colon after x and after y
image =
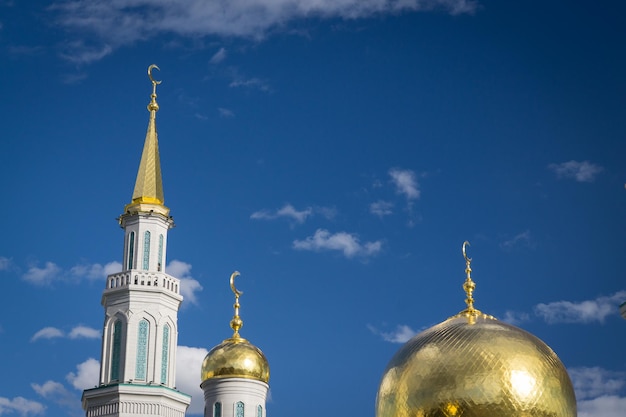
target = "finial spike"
x: 468, y: 285
x: 236, y: 323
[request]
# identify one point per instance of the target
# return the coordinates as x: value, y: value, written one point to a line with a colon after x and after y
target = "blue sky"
x: 336, y: 153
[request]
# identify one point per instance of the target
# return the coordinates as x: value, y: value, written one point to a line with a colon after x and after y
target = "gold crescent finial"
x: 236, y: 323
x: 465, y: 244
x: 150, y: 68
x: 232, y: 284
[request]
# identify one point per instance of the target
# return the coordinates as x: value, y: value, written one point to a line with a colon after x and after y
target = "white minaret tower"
x: 138, y: 363
x: 235, y: 374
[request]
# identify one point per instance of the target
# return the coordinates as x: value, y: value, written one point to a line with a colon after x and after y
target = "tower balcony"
x: 138, y: 278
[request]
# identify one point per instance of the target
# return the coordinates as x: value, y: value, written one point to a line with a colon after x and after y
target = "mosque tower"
x: 472, y: 365
x: 235, y: 374
x: 138, y: 362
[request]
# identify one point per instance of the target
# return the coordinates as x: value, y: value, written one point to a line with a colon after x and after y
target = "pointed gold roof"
x: 149, y: 184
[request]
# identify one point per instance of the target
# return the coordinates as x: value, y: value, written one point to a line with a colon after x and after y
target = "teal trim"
x: 217, y: 410
x: 160, y: 264
x: 239, y: 409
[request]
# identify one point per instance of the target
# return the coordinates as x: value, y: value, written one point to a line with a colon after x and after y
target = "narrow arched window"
x: 165, y: 353
x: 142, y: 350
x: 115, y: 351
x: 259, y: 411
x: 146, y: 250
x: 131, y: 250
x: 217, y: 410
x: 160, y: 264
x: 239, y: 409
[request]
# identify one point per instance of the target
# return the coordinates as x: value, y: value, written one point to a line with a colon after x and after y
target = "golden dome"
x: 473, y: 365
x: 236, y: 358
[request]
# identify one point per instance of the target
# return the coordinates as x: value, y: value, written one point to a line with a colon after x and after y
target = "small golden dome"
x: 475, y: 367
x: 236, y: 358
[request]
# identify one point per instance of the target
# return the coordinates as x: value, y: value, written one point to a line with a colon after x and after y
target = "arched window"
x: 259, y: 411
x: 131, y: 250
x: 159, y: 265
x: 146, y: 250
x: 165, y: 353
x: 142, y: 350
x: 239, y: 409
x: 217, y: 410
x: 115, y: 351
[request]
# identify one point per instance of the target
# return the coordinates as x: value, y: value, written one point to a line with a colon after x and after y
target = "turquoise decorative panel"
x: 146, y: 250
x: 217, y: 410
x: 160, y: 265
x: 259, y: 411
x: 239, y: 409
x: 115, y: 351
x: 165, y: 353
x: 131, y: 250
x: 142, y: 350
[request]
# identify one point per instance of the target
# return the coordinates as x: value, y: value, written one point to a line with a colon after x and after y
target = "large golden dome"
x: 473, y: 365
x: 236, y: 358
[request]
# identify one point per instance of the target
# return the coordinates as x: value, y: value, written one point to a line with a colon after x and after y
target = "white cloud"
x: 115, y: 23
x: 344, y: 242
x: 381, y: 208
x: 55, y: 391
x: 227, y: 113
x: 596, y: 382
x: 580, y: 171
x: 523, y: 238
x: 598, y: 391
x: 47, y: 333
x: 5, y: 263
x: 515, y: 318
x: 218, y: 57
x: 20, y: 405
x: 188, y: 365
x: 254, y: 82
x: 84, y: 332
x: 405, y: 182
x: 188, y: 285
x: 86, y: 376
x: 94, y: 272
x: 605, y: 406
x: 42, y: 276
x: 287, y: 211
x: 401, y: 334
x: 581, y: 312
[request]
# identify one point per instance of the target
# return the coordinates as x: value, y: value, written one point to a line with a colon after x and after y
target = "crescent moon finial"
x: 150, y: 68
x: 236, y: 323
x: 466, y: 244
x: 232, y: 283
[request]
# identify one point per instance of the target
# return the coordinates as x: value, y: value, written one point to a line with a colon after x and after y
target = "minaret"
x: 138, y: 362
x: 235, y: 374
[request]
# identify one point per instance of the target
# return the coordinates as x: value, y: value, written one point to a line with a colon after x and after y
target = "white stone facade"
x: 231, y: 391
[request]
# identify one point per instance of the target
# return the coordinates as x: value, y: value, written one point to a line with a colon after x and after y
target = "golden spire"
x: 470, y: 312
x: 236, y: 323
x: 149, y: 186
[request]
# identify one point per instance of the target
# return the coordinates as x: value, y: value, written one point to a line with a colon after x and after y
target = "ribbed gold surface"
x: 478, y: 367
x: 236, y: 358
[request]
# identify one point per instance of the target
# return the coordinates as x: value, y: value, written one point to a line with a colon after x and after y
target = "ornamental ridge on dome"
x: 149, y: 185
